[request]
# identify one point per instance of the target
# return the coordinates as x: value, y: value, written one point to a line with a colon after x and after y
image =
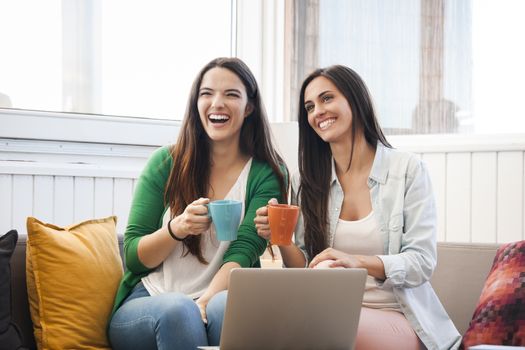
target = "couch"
x: 458, y: 281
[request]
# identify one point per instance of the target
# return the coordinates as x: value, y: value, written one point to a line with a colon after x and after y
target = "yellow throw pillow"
x: 72, y: 277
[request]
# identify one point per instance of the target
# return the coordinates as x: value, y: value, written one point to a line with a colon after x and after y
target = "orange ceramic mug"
x: 282, y: 218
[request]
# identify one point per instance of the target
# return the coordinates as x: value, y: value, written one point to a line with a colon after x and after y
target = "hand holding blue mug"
x: 192, y: 221
x: 225, y: 216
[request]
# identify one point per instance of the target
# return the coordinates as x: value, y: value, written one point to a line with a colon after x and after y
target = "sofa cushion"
x: 9, y: 333
x: 72, y: 276
x: 499, y: 317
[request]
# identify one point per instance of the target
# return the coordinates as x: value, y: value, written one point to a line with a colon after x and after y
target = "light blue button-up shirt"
x: 401, y: 195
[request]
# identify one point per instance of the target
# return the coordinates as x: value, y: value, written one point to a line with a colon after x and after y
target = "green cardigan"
x: 148, y: 208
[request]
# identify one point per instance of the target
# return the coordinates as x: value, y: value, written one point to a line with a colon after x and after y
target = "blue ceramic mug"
x: 225, y: 215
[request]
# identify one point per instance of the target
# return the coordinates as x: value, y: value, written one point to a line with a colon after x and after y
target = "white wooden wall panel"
x: 103, y: 197
x: 84, y: 199
x: 510, y: 197
x: 484, y: 196
x: 436, y: 165
x: 64, y: 200
x: 122, y: 192
x: 458, y: 197
x: 43, y: 198
x: 22, y: 201
x: 478, y: 182
x: 6, y: 202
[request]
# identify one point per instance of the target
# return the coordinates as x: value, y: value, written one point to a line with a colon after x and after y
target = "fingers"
x: 188, y: 228
x: 341, y: 263
x: 202, y: 309
x: 201, y: 201
x: 273, y: 201
x: 325, y: 264
x: 198, y: 207
x: 198, y: 219
x: 197, y: 224
x: 316, y: 260
x: 194, y: 220
x: 261, y: 222
x: 327, y: 254
x: 197, y: 213
x: 262, y: 214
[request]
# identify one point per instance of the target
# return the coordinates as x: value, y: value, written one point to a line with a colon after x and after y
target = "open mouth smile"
x: 218, y: 118
x: 325, y: 124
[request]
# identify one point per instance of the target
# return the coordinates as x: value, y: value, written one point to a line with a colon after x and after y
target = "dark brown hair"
x: 315, y: 154
x: 190, y: 175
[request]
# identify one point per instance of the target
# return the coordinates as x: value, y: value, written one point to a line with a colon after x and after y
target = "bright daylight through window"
x: 117, y: 57
x: 433, y: 66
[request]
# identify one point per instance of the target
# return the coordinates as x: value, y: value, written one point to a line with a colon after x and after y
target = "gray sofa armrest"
x: 459, y: 278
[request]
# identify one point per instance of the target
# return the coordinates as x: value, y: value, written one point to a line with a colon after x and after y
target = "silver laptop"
x: 290, y: 309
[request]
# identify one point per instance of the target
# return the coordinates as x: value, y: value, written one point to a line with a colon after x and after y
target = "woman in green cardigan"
x: 174, y: 290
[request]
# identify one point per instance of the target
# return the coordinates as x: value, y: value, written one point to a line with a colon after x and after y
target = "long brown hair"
x: 189, y: 178
x: 315, y: 154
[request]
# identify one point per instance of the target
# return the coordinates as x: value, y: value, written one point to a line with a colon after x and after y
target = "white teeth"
x: 326, y: 123
x: 218, y: 117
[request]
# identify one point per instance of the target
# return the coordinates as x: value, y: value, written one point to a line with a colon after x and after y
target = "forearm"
x: 154, y: 248
x: 292, y: 256
x: 373, y: 264
x: 220, y: 281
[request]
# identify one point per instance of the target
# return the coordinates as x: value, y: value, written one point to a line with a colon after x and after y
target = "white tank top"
x: 362, y: 237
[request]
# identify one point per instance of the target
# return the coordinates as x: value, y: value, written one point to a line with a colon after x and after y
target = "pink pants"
x: 384, y: 329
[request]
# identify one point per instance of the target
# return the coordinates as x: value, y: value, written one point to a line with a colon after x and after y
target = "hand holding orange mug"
x: 282, y: 219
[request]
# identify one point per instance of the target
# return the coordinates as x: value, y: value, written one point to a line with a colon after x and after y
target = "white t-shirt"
x: 185, y: 274
x: 362, y: 237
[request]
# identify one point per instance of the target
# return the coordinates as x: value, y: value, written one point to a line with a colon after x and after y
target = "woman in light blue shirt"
x: 366, y: 205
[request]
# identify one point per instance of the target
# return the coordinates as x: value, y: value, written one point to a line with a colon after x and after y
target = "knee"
x: 176, y: 308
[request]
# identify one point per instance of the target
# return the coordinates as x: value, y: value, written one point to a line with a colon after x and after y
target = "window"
x: 123, y: 69
x: 433, y: 66
x: 113, y: 57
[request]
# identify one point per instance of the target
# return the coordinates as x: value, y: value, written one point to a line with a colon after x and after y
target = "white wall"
x: 478, y: 181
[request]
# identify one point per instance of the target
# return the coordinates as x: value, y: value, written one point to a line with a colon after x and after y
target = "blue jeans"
x: 166, y: 321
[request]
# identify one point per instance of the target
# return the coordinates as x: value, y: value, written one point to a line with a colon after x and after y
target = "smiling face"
x: 222, y: 104
x: 329, y: 113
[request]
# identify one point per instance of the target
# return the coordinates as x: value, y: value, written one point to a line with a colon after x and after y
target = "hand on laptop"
x: 327, y: 264
x: 373, y: 264
x: 261, y: 220
x: 337, y: 259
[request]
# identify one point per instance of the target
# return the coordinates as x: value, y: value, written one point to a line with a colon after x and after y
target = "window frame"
x: 77, y: 127
x: 257, y: 38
